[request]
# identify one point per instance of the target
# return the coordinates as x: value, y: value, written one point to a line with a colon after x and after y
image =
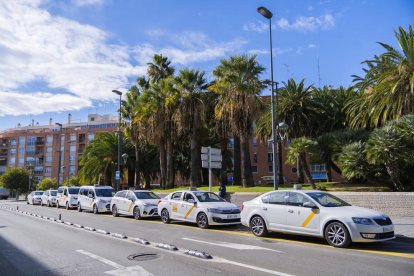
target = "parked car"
x: 135, y: 203
x: 95, y: 198
x: 4, y: 193
x: 201, y: 207
x: 49, y: 198
x: 35, y: 197
x: 67, y: 196
x: 315, y: 213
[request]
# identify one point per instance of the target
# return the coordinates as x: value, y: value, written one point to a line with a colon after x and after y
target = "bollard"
x: 17, y: 208
x: 60, y: 217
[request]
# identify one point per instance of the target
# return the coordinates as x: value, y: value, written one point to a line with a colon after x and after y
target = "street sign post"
x: 211, y: 158
x: 117, y: 175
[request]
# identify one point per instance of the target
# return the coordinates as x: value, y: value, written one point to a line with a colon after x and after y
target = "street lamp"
x: 60, y: 152
x: 268, y: 14
x: 119, y: 138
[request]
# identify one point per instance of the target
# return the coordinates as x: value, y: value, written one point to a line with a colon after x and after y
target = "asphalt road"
x: 33, y: 246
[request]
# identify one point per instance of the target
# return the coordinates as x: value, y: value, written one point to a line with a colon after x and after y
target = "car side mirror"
x: 90, y: 196
x: 309, y: 204
x: 191, y: 201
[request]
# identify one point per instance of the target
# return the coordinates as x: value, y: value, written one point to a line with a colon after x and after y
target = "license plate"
x: 231, y: 216
x: 387, y: 229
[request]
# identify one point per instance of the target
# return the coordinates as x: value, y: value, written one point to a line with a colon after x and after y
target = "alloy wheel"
x: 137, y: 213
x: 202, y: 220
x: 165, y: 216
x: 257, y: 226
x: 336, y: 235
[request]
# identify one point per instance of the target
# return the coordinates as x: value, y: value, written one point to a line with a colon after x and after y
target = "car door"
x: 59, y: 195
x: 129, y: 202
x: 187, y: 207
x: 44, y: 197
x: 174, y: 204
x: 30, y: 197
x: 302, y: 219
x: 90, y: 198
x: 274, y: 209
x: 119, y: 201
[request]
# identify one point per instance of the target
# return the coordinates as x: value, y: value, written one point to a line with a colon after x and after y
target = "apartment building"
x: 38, y: 147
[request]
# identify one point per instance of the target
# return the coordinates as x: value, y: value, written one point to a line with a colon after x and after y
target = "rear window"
x: 104, y: 192
x: 39, y: 193
x: 53, y: 193
x: 73, y: 191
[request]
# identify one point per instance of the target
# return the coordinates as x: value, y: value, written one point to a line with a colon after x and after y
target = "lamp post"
x: 119, y: 138
x: 60, y: 153
x: 268, y: 14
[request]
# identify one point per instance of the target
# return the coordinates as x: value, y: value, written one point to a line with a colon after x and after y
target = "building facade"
x: 38, y: 148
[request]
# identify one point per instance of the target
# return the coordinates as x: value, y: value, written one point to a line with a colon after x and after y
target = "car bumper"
x: 371, y: 233
x: 223, y: 219
x: 104, y: 207
x: 150, y: 211
x: 37, y: 200
x: 73, y: 202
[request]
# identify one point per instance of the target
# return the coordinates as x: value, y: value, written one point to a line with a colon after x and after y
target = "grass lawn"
x: 329, y: 186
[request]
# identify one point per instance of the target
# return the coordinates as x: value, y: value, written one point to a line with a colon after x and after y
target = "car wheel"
x: 27, y: 202
x: 79, y: 207
x: 258, y: 226
x: 114, y: 211
x: 95, y: 209
x: 165, y: 216
x: 337, y: 235
x: 137, y: 213
x: 202, y: 221
x: 32, y: 202
x: 67, y: 205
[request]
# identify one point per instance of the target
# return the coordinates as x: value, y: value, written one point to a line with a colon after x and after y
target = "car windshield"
x: 39, y: 193
x: 73, y: 191
x: 146, y: 195
x: 53, y: 193
x: 208, y: 197
x: 328, y: 200
x: 104, y: 192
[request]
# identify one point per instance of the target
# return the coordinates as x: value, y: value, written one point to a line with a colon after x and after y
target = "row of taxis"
x: 312, y: 213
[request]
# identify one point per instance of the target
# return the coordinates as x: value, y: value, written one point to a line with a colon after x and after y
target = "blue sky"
x: 60, y: 57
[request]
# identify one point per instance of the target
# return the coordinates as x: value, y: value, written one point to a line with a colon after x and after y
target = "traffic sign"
x: 213, y: 151
x: 214, y: 158
x: 117, y: 175
x: 204, y: 157
x: 213, y: 165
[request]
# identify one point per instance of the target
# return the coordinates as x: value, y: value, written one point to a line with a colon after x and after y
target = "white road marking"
x: 234, y: 245
x: 274, y: 272
x: 120, y: 270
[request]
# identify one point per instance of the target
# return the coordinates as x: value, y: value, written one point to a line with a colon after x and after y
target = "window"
x: 72, y: 148
x: 130, y: 196
x: 254, y: 169
x: 48, y: 170
x: 176, y: 196
x: 269, y: 157
x: 269, y: 144
x: 121, y: 194
x: 104, y: 192
x: 21, y: 151
x: 49, y: 139
x: 188, y: 197
x: 12, y: 152
x: 49, y: 149
x: 146, y: 195
x: 72, y: 169
x: 297, y: 199
x: 270, y: 169
x: 13, y: 142
x: 231, y: 143
x: 254, y: 142
x: 21, y: 161
x: 12, y: 161
x: 91, y: 136
x: 22, y: 140
x: 48, y: 159
x: 275, y: 198
x: 62, y: 138
x: 72, y: 158
x: 73, y: 137
x: 318, y: 168
x: 91, y: 193
x: 255, y: 157
x: 208, y: 197
x: 60, y: 190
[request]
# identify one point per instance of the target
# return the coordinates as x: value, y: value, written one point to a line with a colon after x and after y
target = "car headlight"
x: 365, y: 221
x: 214, y: 210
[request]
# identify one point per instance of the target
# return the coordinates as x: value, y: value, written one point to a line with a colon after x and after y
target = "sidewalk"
x: 404, y: 226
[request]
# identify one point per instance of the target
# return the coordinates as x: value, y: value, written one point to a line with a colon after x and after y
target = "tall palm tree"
x: 191, y: 85
x: 386, y: 92
x: 299, y: 150
x: 160, y: 68
x: 239, y: 86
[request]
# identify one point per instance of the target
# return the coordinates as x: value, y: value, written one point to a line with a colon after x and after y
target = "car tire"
x: 27, y: 202
x: 137, y: 213
x: 258, y: 226
x: 79, y: 207
x: 337, y: 235
x: 202, y: 220
x: 95, y: 209
x: 114, y: 211
x: 165, y: 216
x: 32, y: 202
x: 67, y: 205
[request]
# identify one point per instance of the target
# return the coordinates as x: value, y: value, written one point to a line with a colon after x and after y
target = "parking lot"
x: 45, y: 245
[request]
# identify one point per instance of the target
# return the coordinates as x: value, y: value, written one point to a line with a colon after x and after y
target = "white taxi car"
x: 35, y: 197
x: 315, y: 213
x: 95, y: 198
x: 67, y: 196
x: 138, y: 204
x: 201, y: 207
x: 49, y: 198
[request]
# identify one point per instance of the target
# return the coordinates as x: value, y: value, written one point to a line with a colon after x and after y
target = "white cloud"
x: 276, y: 51
x: 155, y: 32
x: 312, y: 45
x: 82, y: 3
x: 308, y: 24
x: 259, y: 26
x: 76, y: 59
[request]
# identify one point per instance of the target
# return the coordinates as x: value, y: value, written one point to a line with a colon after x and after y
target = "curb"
x: 141, y: 241
x: 167, y: 246
x: 100, y: 231
x: 119, y: 236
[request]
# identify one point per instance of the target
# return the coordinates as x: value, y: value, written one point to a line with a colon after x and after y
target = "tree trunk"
x: 247, y: 167
x: 163, y: 165
x: 223, y: 170
x: 137, y: 180
x: 131, y: 175
x: 237, y: 161
x: 280, y: 156
x: 193, y: 148
x: 301, y: 177
x: 329, y: 171
x: 335, y: 167
x: 170, y: 163
x: 302, y: 160
x: 393, y: 172
x: 147, y: 181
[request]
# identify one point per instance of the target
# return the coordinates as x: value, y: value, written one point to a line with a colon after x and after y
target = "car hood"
x: 148, y: 201
x: 220, y: 205
x: 355, y: 211
x: 104, y: 198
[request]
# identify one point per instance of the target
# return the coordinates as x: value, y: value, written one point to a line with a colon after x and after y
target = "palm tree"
x: 298, y: 152
x: 239, y: 87
x: 191, y: 84
x: 386, y: 92
x: 160, y: 68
